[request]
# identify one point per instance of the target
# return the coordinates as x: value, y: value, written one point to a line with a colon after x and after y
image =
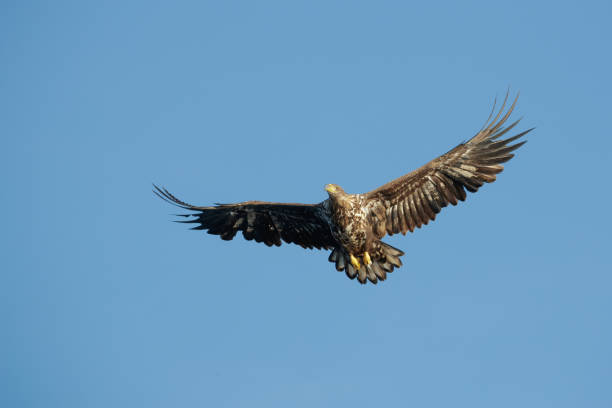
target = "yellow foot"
x: 366, y: 258
x: 355, y: 262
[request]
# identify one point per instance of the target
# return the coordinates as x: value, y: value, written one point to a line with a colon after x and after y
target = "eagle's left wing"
x: 306, y: 225
x: 414, y: 199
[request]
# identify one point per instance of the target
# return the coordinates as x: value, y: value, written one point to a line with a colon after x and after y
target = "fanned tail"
x: 384, y: 260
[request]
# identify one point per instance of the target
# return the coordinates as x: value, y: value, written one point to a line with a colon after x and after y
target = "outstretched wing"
x: 304, y: 224
x: 415, y: 198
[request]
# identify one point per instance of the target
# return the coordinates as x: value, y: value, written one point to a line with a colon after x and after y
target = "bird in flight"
x: 352, y: 225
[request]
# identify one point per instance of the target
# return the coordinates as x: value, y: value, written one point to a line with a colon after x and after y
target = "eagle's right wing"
x: 306, y: 225
x: 415, y: 198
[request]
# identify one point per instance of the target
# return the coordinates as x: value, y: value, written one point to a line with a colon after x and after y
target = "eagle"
x: 352, y: 225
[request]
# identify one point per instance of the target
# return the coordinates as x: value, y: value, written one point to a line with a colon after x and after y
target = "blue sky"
x: 503, y: 301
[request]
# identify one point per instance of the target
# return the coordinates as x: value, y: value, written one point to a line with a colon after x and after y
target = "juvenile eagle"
x: 352, y: 225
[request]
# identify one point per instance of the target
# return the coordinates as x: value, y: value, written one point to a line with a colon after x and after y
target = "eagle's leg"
x: 355, y: 262
x: 366, y: 258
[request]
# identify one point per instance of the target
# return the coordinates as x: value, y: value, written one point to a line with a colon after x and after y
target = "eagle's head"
x: 334, y: 191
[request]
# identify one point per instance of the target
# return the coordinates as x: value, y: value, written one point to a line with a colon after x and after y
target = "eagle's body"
x: 352, y: 225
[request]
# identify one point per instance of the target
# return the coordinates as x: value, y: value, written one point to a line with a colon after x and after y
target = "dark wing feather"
x: 302, y: 224
x: 415, y: 198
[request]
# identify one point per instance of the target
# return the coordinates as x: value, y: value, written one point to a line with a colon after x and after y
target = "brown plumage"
x: 353, y: 224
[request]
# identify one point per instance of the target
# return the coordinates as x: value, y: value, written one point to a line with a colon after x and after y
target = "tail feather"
x: 384, y: 260
x: 350, y: 271
x: 380, y: 273
x: 361, y: 276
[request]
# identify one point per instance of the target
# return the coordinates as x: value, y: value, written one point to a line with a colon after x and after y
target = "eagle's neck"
x: 344, y: 204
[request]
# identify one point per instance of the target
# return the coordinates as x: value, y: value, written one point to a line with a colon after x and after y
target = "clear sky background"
x: 503, y: 301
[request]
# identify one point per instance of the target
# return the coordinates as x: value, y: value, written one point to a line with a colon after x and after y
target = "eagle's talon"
x: 366, y: 258
x: 355, y: 262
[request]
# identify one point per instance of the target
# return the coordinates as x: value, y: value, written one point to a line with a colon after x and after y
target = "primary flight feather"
x: 352, y: 225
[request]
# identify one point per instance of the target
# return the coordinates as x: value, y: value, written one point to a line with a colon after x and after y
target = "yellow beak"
x: 330, y: 189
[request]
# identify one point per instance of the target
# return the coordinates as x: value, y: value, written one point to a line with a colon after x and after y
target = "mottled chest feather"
x: 350, y: 222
